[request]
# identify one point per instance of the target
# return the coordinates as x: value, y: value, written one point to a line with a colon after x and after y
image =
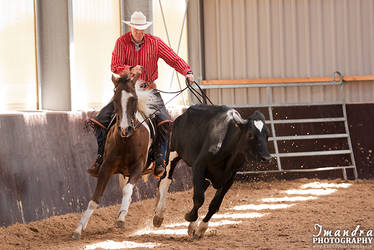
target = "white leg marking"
x: 126, y: 200
x: 163, y: 190
x: 162, y: 193
x: 86, y: 216
x: 158, y: 218
x: 122, y: 181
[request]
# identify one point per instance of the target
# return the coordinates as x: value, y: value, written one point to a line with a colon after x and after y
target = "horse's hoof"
x: 198, y: 236
x: 190, y: 217
x: 75, y: 236
x: 120, y: 224
x: 203, y: 226
x: 192, y: 229
x: 157, y: 221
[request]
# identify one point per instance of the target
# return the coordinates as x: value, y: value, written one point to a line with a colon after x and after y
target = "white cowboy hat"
x: 138, y: 21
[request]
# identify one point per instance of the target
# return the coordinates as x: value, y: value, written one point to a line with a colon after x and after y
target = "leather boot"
x: 159, y: 163
x: 95, y: 168
x: 160, y: 148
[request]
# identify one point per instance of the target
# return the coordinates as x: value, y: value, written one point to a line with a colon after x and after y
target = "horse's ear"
x: 115, y: 79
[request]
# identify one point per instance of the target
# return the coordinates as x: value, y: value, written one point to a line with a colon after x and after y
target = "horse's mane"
x: 148, y: 103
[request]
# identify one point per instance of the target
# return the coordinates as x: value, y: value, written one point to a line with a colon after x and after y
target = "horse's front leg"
x: 94, y: 202
x: 162, y: 191
x: 127, y: 190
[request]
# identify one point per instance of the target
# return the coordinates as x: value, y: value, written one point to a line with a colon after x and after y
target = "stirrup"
x: 158, y: 168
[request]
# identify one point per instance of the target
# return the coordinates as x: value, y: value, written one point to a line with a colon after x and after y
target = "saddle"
x: 151, y: 123
x: 158, y: 134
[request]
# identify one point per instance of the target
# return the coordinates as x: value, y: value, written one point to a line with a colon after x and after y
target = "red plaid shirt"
x: 125, y: 55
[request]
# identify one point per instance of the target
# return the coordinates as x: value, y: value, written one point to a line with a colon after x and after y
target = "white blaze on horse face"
x: 124, y: 98
x: 259, y: 124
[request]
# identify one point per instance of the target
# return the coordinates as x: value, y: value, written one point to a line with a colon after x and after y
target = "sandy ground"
x: 256, y: 215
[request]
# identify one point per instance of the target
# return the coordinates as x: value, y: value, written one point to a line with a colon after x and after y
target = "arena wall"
x: 44, y: 157
x: 43, y: 162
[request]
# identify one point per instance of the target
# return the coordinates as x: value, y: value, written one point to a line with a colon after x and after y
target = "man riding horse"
x: 133, y: 50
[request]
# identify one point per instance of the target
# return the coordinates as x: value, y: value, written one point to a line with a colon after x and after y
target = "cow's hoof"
x: 120, y: 224
x: 190, y: 217
x: 192, y: 229
x: 75, y: 236
x: 157, y: 221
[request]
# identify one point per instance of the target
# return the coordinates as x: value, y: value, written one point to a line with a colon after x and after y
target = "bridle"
x: 116, y: 117
x: 131, y: 125
x: 198, y: 94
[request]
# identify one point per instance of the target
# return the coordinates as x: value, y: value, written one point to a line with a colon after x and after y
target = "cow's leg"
x: 102, y: 181
x: 126, y: 196
x: 192, y: 227
x: 213, y: 208
x: 163, y: 190
x: 199, y: 187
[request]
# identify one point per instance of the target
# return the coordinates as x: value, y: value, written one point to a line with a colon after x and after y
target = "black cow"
x: 215, y: 141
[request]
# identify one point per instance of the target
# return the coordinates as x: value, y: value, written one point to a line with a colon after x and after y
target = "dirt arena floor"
x: 256, y: 215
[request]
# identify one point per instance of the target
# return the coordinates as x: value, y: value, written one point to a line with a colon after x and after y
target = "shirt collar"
x: 137, y: 45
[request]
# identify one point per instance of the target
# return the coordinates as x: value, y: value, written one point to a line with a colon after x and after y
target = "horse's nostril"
x: 126, y: 132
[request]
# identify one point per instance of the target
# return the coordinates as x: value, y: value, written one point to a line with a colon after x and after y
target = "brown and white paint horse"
x: 126, y: 148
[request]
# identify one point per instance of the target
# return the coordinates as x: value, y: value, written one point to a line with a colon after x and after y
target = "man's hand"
x: 190, y: 77
x: 136, y: 71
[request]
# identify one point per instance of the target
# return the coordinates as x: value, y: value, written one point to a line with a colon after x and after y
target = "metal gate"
x: 337, y: 80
